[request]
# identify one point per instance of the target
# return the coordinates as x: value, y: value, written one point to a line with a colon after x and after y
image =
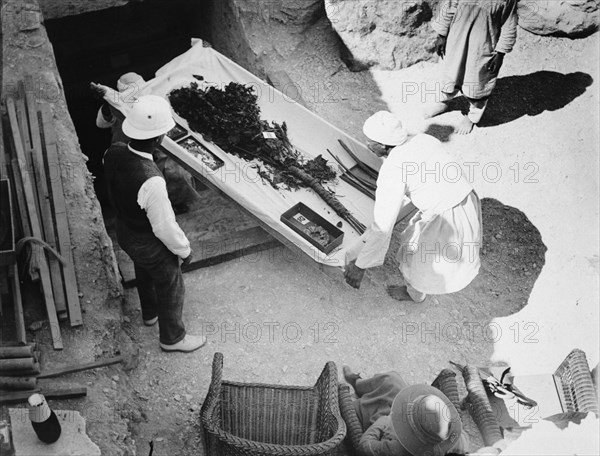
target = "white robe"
x: 476, y: 29
x: 439, y: 250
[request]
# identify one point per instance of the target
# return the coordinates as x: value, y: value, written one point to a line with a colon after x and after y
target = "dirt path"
x: 277, y: 319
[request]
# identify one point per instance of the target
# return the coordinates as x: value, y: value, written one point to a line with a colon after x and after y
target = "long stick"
x: 348, y: 171
x: 357, y: 185
x: 80, y: 367
x: 370, y: 171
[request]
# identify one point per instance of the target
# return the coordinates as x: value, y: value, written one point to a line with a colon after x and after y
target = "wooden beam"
x: 18, y: 383
x: 80, y: 367
x: 35, y: 226
x: 46, y: 216
x: 227, y: 247
x: 16, y: 352
x: 49, y: 393
x: 60, y: 210
x: 18, y: 304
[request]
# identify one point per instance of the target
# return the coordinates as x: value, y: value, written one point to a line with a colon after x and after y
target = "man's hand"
x: 495, y: 62
x: 353, y: 274
x: 188, y: 259
x: 97, y: 90
x: 440, y: 46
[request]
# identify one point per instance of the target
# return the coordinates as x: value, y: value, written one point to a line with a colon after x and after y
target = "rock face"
x: 572, y: 18
x: 255, y: 33
x: 385, y: 33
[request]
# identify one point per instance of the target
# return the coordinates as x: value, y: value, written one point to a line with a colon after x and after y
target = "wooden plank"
x: 18, y: 383
x: 227, y: 247
x: 16, y: 352
x: 49, y: 393
x: 3, y: 155
x: 18, y: 305
x: 35, y: 227
x: 81, y: 367
x: 35, y: 370
x: 50, y: 148
x: 10, y: 364
x: 46, y: 216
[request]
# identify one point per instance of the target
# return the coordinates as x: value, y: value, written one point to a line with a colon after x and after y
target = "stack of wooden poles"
x: 19, y: 367
x: 35, y: 173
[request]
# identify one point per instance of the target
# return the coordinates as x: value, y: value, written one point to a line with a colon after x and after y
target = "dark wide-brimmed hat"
x: 425, y: 421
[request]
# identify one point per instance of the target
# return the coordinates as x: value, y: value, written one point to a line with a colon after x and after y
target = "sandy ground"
x: 278, y: 320
x: 534, y: 163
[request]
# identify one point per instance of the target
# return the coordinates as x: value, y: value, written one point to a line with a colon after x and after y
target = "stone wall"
x: 54, y: 9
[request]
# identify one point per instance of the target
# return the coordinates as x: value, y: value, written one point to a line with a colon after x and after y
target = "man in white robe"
x: 439, y: 250
x: 473, y: 37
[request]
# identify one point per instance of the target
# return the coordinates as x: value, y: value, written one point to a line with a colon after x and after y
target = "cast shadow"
x: 441, y: 132
x: 530, y: 94
x: 512, y: 257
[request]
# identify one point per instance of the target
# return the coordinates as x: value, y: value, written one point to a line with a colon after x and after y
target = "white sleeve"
x: 153, y: 198
x: 445, y: 15
x: 101, y: 121
x: 389, y: 200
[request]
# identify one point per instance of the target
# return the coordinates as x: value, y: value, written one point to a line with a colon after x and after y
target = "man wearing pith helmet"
x: 439, y: 249
x: 146, y: 227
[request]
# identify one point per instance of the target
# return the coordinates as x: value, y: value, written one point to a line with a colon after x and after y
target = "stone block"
x: 73, y: 440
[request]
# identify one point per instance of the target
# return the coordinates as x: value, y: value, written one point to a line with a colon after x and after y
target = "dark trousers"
x: 375, y: 396
x: 159, y: 281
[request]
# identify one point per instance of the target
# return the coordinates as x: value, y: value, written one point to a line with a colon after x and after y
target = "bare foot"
x: 465, y: 127
x: 350, y: 376
x: 434, y: 109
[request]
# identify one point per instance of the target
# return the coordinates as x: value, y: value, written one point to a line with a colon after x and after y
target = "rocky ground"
x: 278, y: 320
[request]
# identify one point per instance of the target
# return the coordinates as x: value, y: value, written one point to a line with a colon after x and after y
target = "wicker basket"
x: 265, y: 420
x: 574, y: 384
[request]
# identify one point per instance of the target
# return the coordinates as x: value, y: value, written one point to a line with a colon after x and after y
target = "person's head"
x: 129, y: 80
x: 425, y: 421
x: 384, y: 131
x: 149, y: 120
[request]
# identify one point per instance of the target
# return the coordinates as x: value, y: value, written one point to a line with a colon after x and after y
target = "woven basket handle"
x: 446, y: 383
x: 480, y: 409
x: 354, y: 428
x: 214, y: 391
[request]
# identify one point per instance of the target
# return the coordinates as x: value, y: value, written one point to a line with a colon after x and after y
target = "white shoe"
x: 151, y: 322
x: 188, y: 344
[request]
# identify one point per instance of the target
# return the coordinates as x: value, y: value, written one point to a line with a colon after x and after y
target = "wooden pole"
x: 46, y: 216
x: 35, y: 226
x: 50, y: 148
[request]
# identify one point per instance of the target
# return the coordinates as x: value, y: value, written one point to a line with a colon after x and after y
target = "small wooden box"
x: 7, y: 236
x: 194, y: 147
x: 301, y: 218
x: 177, y: 132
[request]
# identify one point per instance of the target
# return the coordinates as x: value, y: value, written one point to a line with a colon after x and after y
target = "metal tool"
x: 500, y: 389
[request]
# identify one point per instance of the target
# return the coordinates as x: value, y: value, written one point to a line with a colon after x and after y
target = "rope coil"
x: 31, y: 252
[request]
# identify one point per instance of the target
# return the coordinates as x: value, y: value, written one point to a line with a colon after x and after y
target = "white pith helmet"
x: 130, y: 80
x: 385, y: 128
x: 149, y: 117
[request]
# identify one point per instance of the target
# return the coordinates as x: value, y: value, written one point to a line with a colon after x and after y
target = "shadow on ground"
x: 529, y: 95
x: 512, y: 258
